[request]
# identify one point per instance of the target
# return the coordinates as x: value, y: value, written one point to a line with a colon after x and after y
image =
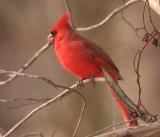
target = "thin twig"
x: 136, y: 66
x: 27, y: 64
x: 46, y: 80
x: 29, y: 115
x: 110, y: 127
x: 153, y: 5
x: 67, y: 91
x: 80, y: 118
x: 63, y: 94
x: 144, y: 130
x: 121, y: 94
x: 129, y: 23
x: 23, y: 99
x: 30, y: 101
x: 147, y: 39
x: 109, y: 16
x: 107, y: 128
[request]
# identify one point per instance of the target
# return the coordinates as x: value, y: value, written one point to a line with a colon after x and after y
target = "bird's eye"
x: 53, y: 33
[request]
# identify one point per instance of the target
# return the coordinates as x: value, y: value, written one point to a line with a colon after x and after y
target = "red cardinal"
x: 85, y: 59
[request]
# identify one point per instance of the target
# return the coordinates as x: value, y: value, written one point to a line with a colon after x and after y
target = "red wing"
x: 100, y: 56
x: 102, y: 59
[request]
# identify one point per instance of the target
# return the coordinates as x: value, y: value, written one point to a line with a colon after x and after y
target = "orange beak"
x: 50, y: 38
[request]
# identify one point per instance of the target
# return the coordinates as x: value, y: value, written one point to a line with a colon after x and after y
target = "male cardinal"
x: 85, y: 59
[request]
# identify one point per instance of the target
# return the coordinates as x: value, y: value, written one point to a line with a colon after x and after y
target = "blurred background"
x: 24, y: 27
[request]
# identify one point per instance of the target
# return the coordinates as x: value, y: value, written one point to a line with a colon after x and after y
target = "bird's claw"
x: 92, y: 80
x: 145, y: 116
x: 80, y: 84
x: 151, y: 118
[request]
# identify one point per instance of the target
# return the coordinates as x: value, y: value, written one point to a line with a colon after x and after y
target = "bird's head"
x: 61, y: 25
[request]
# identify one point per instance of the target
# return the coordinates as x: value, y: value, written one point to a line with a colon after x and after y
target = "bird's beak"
x: 50, y: 38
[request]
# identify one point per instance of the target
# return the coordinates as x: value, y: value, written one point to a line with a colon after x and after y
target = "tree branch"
x: 27, y: 64
x: 37, y: 109
x: 153, y: 3
x: 67, y: 91
x: 147, y: 130
x: 109, y: 16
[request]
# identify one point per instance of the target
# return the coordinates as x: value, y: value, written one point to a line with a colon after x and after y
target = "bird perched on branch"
x: 85, y: 59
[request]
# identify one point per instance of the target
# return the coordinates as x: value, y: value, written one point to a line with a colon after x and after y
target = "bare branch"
x: 147, y: 130
x: 26, y: 102
x: 155, y: 5
x: 27, y: 64
x: 28, y: 116
x: 23, y: 99
x: 106, y: 128
x: 129, y: 23
x: 48, y: 81
x: 110, y: 16
x: 67, y: 91
x: 136, y: 65
x: 80, y: 119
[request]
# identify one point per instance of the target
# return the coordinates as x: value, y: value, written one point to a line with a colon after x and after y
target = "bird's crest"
x: 63, y: 21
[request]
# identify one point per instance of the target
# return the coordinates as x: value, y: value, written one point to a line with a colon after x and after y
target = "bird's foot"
x: 150, y: 118
x: 137, y: 113
x: 92, y: 80
x: 80, y: 83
